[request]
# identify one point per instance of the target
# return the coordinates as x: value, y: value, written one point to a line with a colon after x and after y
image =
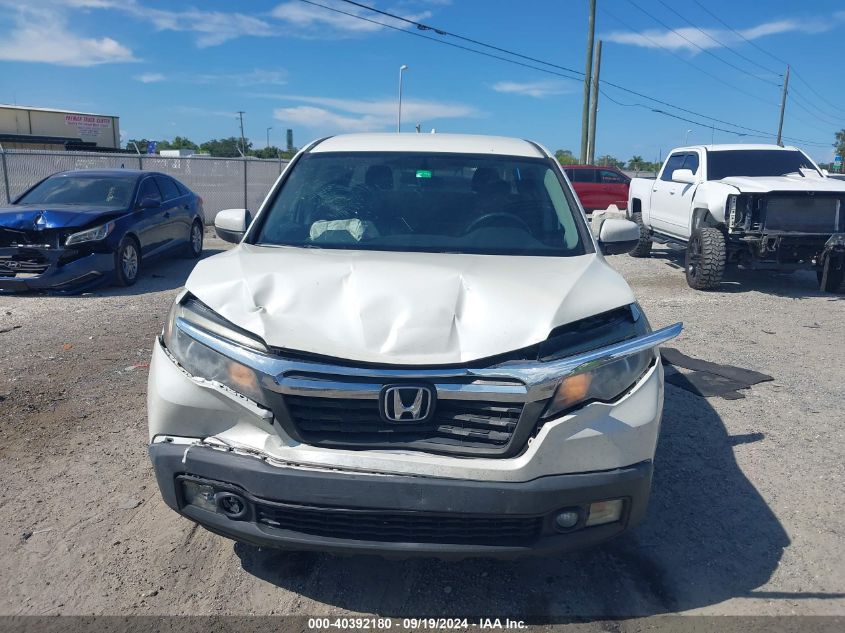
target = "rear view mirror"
x: 684, y: 176
x: 231, y: 224
x: 617, y: 236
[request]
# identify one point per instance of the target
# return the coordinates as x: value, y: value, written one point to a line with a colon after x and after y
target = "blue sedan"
x: 77, y: 229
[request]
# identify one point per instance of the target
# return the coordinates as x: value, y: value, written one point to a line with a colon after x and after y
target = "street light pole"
x: 402, y: 68
x: 268, y: 137
x: 686, y: 136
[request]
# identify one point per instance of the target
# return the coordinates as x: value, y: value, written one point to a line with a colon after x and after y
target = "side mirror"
x: 617, y: 236
x: 684, y: 176
x: 149, y: 203
x: 231, y: 224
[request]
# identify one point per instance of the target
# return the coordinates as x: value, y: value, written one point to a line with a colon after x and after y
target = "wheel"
x: 127, y: 262
x: 834, y: 280
x: 643, y: 247
x: 705, y: 261
x: 194, y: 248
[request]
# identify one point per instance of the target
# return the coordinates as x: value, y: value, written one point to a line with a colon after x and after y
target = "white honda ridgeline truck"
x: 757, y: 206
x: 417, y: 347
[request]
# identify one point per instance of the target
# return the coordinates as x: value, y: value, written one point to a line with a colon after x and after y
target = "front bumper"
x: 85, y: 271
x: 356, y: 512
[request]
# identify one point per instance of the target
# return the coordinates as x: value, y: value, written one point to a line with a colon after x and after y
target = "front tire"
x: 834, y: 280
x: 705, y: 260
x: 643, y: 247
x: 127, y: 261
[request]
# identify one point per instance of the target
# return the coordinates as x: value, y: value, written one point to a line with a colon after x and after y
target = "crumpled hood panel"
x: 759, y: 184
x: 403, y: 308
x: 57, y: 216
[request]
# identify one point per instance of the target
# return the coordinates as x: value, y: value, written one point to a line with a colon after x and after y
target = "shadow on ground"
x: 709, y: 536
x: 797, y: 284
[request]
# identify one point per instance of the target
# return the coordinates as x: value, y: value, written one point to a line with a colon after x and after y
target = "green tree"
x: 636, y: 163
x: 610, y: 161
x: 225, y: 147
x: 566, y: 157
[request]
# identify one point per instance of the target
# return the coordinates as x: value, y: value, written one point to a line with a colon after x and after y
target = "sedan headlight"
x: 201, y: 361
x: 90, y: 235
x: 604, y: 382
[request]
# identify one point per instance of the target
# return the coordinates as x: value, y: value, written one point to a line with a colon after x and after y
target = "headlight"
x: 90, y: 235
x: 606, y: 382
x: 203, y: 362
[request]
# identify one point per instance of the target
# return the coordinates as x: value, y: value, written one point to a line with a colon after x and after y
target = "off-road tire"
x: 834, y: 280
x: 705, y: 260
x: 643, y: 247
x: 125, y: 273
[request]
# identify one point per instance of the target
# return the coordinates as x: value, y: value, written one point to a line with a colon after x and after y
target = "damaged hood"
x: 761, y: 184
x: 403, y: 308
x: 23, y: 217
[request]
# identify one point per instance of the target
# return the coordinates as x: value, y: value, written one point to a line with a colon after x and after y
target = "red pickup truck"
x: 598, y: 187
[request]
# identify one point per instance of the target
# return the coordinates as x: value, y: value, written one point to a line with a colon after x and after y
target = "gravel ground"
x: 746, y: 514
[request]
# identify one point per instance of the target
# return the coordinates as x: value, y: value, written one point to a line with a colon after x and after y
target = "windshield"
x: 99, y: 191
x: 461, y: 203
x: 757, y: 162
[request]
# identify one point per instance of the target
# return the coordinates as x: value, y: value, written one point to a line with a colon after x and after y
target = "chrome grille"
x: 351, y: 420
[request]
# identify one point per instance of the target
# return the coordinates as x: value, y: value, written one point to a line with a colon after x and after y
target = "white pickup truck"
x: 756, y: 206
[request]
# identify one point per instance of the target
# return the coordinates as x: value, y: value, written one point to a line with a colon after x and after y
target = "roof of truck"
x: 734, y: 146
x: 442, y: 143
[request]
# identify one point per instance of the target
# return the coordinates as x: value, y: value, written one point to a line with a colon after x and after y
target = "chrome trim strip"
x: 538, y: 379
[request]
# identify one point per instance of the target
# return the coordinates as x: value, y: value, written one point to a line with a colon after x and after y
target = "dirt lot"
x: 746, y: 515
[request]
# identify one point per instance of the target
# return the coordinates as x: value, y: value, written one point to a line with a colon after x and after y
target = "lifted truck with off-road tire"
x: 753, y: 206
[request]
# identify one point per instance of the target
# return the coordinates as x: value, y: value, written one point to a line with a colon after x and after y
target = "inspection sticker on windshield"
x: 423, y: 173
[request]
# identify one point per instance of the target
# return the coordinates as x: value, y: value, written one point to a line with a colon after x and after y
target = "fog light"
x: 567, y: 519
x: 232, y: 505
x: 603, y: 512
x: 199, y: 495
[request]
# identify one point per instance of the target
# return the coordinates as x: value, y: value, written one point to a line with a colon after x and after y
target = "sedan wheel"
x: 128, y: 262
x: 195, y: 245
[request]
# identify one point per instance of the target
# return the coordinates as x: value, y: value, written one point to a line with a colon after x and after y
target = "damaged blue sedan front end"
x: 48, y: 248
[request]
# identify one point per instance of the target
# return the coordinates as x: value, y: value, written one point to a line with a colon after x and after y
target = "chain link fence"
x: 222, y: 183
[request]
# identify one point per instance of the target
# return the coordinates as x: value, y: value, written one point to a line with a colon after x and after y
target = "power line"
x: 765, y: 52
x: 657, y: 44
x: 579, y: 76
x: 425, y: 27
x: 721, y: 44
x: 703, y: 50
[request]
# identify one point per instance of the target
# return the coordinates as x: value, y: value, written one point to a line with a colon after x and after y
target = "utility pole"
x: 588, y: 71
x: 594, y: 107
x: 243, y: 140
x: 783, y: 104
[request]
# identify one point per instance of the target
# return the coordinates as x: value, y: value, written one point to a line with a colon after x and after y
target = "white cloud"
x: 319, y: 118
x: 149, y: 78
x: 38, y: 33
x: 312, y: 21
x: 211, y: 27
x: 693, y: 40
x: 537, y: 89
x: 255, y: 77
x: 353, y: 115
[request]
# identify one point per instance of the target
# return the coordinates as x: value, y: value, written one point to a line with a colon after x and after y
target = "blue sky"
x: 169, y: 68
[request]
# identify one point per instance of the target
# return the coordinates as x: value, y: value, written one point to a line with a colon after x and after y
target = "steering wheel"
x: 497, y: 217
